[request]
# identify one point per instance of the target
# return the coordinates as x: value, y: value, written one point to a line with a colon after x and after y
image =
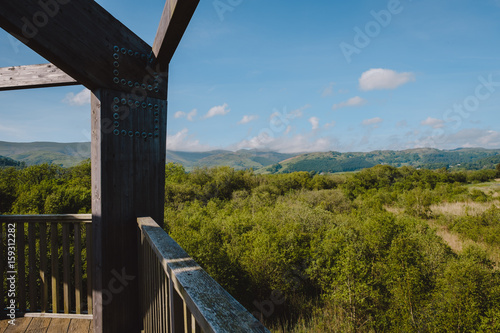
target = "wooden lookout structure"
x: 117, y: 267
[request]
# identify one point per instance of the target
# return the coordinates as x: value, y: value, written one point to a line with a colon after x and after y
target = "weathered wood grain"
x: 58, y: 325
x: 33, y: 76
x: 174, y: 21
x: 58, y: 218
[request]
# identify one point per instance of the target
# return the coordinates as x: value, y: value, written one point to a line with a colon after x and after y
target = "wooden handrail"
x: 54, y: 218
x: 44, y: 247
x: 178, y: 295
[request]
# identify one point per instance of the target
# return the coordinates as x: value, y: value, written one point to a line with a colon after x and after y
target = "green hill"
x: 65, y: 154
x: 70, y: 154
x: 473, y: 158
x: 239, y: 160
x: 9, y: 162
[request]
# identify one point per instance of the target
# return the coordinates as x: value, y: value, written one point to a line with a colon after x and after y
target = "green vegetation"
x: 45, y: 189
x: 371, y: 251
x: 350, y: 253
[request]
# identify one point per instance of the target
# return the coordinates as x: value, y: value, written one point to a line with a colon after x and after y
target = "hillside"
x: 239, y: 160
x: 70, y: 154
x: 471, y: 158
x: 64, y: 154
x: 9, y: 162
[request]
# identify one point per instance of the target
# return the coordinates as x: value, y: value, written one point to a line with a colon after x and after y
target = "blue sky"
x: 295, y: 76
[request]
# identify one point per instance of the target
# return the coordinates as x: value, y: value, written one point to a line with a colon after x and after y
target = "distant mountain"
x: 65, y: 154
x: 69, y: 154
x: 471, y: 158
x: 241, y: 159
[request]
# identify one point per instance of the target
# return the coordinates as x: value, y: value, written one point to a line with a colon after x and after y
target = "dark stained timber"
x: 85, y: 41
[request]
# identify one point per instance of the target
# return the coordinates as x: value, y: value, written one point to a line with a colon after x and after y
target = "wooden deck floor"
x: 47, y: 325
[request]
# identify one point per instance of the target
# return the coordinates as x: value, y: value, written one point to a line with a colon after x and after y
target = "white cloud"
x: 300, y: 111
x: 190, y: 116
x: 82, y: 98
x: 314, y: 122
x: 246, y: 119
x: 286, y: 144
x: 433, y: 122
x: 355, y: 101
x: 181, y: 141
x: 330, y: 125
x: 380, y: 78
x: 328, y: 91
x: 372, y: 121
x: 219, y: 110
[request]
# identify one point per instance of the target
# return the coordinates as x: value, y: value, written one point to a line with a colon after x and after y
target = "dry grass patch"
x: 462, y: 208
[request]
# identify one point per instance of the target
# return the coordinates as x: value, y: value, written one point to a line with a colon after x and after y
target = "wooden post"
x: 128, y: 181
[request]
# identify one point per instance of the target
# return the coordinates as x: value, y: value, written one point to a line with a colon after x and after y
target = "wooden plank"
x: 78, y: 268
x: 59, y: 325
x: 4, y: 324
x: 174, y: 21
x: 79, y: 326
x: 3, y: 263
x: 88, y: 239
x: 43, y: 268
x: 79, y: 37
x: 214, y: 308
x: 33, y: 76
x: 58, y: 315
x: 66, y: 269
x: 21, y: 325
x: 39, y: 325
x: 54, y: 259
x: 21, y: 268
x: 58, y: 218
x: 33, y: 291
x: 123, y: 176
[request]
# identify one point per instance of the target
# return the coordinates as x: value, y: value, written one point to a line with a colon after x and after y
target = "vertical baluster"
x: 167, y: 305
x: 78, y: 269
x: 33, y: 291
x: 66, y: 268
x: 154, y: 299
x: 148, y: 285
x: 54, y: 260
x: 21, y: 268
x: 156, y: 293
x: 195, y: 328
x: 43, y: 267
x: 187, y: 318
x: 88, y: 234
x: 176, y: 309
x: 3, y: 261
x: 163, y: 302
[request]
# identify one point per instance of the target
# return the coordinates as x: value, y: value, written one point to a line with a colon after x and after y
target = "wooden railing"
x: 48, y: 259
x: 178, y: 295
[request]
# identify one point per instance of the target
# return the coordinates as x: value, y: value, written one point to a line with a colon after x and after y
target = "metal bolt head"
x: 116, y: 100
x: 123, y: 50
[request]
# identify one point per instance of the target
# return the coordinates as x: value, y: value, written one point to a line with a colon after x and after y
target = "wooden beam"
x: 33, y: 76
x: 86, y: 42
x: 174, y: 21
x: 128, y: 168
